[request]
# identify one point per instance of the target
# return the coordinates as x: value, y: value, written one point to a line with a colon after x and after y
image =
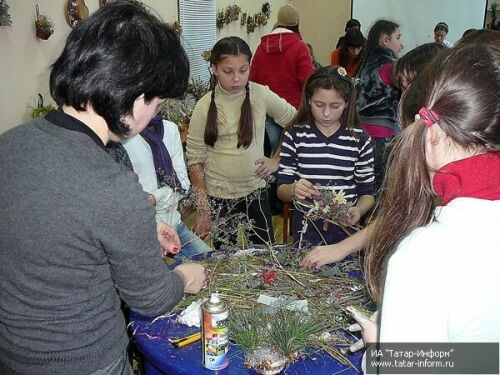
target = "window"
x: 197, y: 18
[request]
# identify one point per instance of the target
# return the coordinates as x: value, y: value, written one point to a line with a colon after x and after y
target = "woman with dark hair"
x: 349, y: 53
x: 435, y: 269
x: 78, y: 232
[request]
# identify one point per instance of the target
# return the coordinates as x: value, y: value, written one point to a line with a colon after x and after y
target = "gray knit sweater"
x: 75, y: 228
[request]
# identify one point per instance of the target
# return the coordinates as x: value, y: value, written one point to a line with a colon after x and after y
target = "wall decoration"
x: 219, y: 20
x: 266, y: 10
x: 75, y: 11
x: 41, y: 109
x: 251, y: 24
x: 5, y: 18
x: 44, y: 27
x: 230, y: 14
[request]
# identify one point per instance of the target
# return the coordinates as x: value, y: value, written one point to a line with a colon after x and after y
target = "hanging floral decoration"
x: 5, y: 18
x: 219, y: 20
x: 75, y: 12
x: 251, y: 24
x: 266, y: 10
x: 231, y: 13
x: 44, y: 27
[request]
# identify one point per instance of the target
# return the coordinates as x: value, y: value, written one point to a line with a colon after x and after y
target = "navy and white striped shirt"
x: 339, y: 162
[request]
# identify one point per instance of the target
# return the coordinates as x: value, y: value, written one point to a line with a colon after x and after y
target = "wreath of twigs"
x: 240, y: 277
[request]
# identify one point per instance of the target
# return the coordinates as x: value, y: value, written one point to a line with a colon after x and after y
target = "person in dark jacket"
x: 77, y: 231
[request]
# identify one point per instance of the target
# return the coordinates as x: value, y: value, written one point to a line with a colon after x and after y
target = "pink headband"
x: 428, y: 116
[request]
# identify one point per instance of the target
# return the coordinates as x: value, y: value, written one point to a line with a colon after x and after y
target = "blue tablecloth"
x: 160, y: 357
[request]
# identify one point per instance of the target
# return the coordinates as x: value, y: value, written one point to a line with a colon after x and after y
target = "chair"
x: 287, y: 220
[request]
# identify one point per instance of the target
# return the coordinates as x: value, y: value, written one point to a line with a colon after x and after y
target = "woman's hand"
x: 321, y: 255
x: 168, y: 238
x: 367, y: 326
x: 193, y: 275
x: 266, y: 167
x: 354, y: 215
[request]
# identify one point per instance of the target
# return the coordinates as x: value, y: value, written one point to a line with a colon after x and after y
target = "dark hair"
x: 229, y: 46
x: 479, y: 36
x: 467, y: 32
x: 329, y: 78
x: 352, y: 38
x: 409, y: 65
x: 441, y: 26
x: 461, y: 86
x: 352, y: 23
x: 379, y: 28
x: 119, y: 53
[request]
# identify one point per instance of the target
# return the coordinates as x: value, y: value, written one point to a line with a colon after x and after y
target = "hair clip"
x: 341, y: 71
x: 428, y: 116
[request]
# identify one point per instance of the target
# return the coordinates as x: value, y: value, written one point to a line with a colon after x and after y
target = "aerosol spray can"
x: 214, y: 333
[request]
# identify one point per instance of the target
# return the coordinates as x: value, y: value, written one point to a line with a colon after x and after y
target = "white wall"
x: 25, y: 60
x: 417, y: 18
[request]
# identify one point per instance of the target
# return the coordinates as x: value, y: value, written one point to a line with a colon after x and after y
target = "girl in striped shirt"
x: 326, y: 149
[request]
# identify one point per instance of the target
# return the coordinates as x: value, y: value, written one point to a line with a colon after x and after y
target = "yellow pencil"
x: 179, y: 343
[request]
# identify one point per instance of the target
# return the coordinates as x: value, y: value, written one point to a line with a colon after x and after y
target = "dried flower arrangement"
x: 331, y: 206
x: 44, y: 27
x: 180, y: 110
x: 5, y: 18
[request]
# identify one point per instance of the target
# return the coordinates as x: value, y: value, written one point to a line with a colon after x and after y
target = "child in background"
x: 378, y: 97
x: 406, y: 70
x: 225, y: 145
x: 325, y: 147
x: 440, y: 32
x: 353, y: 23
x: 158, y: 159
x: 348, y: 55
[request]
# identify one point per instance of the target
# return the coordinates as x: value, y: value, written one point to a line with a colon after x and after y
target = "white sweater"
x: 141, y: 157
x: 443, y: 281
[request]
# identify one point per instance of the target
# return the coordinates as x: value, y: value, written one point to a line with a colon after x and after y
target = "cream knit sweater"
x: 229, y: 171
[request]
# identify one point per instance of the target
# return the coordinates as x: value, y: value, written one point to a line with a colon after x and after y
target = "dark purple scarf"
x: 165, y: 172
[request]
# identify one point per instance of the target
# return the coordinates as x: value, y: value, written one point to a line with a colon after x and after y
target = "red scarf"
x: 475, y: 177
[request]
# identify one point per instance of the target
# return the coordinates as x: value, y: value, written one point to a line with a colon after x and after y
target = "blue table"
x: 160, y: 357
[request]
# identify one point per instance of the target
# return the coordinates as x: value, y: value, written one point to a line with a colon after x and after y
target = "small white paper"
x: 191, y: 315
x: 299, y: 305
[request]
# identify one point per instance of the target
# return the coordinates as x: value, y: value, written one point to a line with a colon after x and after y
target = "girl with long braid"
x: 225, y: 145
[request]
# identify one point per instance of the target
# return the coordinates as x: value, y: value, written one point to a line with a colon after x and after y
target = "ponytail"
x: 211, y: 131
x: 245, y: 129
